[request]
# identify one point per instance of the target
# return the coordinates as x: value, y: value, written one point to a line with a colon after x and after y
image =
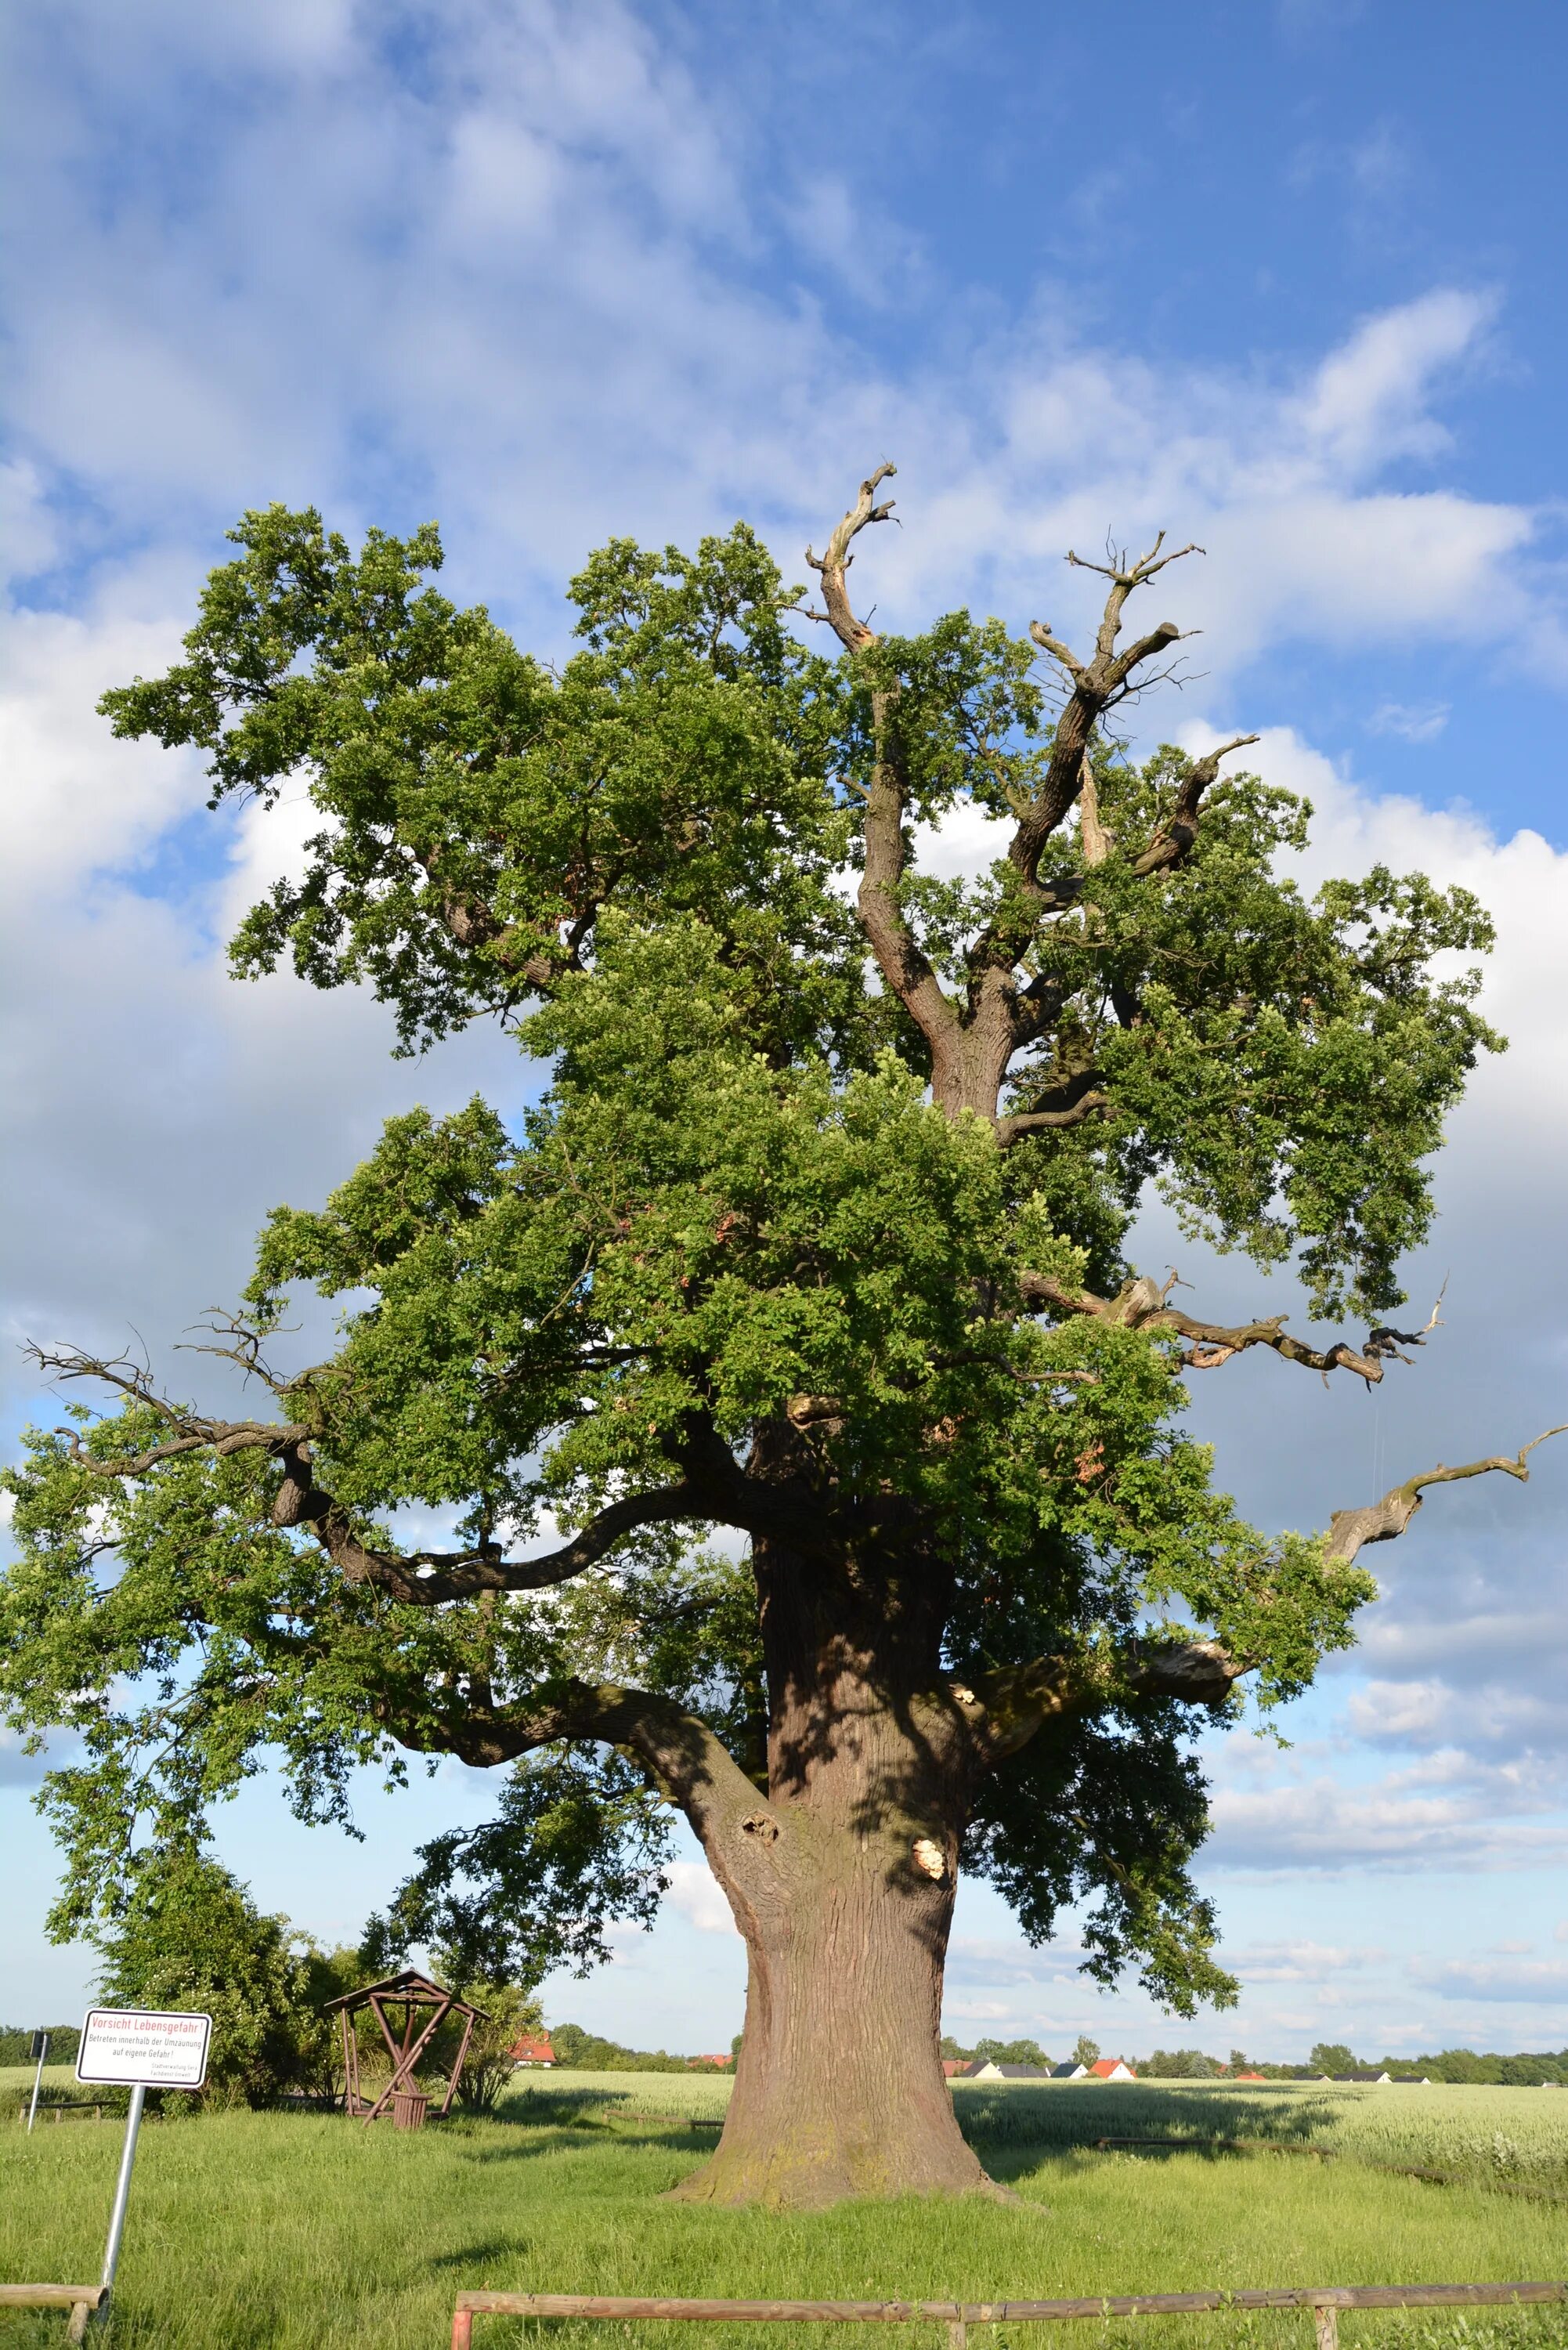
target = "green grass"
x: 260, y: 2232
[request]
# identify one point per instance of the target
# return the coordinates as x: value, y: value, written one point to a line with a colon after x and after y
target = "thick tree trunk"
x: 842, y: 1884
x: 839, y: 2090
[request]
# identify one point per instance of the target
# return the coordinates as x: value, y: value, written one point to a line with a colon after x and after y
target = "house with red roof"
x: 1111, y: 2068
x: 533, y: 2048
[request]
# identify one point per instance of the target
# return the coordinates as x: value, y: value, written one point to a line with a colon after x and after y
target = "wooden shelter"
x: 407, y: 2041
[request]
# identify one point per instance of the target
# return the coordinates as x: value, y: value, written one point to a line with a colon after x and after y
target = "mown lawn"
x: 273, y: 2231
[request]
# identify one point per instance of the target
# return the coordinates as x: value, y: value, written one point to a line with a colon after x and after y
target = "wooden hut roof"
x: 419, y: 1990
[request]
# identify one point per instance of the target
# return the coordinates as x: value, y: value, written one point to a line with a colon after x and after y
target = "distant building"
x: 713, y: 2060
x: 1364, y: 2075
x: 952, y: 2066
x: 1249, y: 2077
x: 992, y: 2071
x: 1069, y: 2072
x: 533, y: 2048
x: 1111, y: 2068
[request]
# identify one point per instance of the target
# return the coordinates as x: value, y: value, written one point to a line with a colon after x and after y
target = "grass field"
x: 262, y: 2231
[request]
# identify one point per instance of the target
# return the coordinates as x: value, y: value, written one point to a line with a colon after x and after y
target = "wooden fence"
x: 81, y: 2300
x: 1323, y: 2302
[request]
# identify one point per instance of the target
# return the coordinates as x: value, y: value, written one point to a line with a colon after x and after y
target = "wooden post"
x: 404, y: 2062
x: 455, y: 2076
x: 461, y: 2329
x: 1326, y: 2321
x: 958, y: 2335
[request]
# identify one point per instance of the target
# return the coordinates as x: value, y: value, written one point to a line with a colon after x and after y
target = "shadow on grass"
x: 529, y: 2146
x: 566, y: 2109
x: 499, y: 2248
x: 1059, y: 2119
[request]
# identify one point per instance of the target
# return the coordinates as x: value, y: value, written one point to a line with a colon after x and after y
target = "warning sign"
x: 135, y: 2045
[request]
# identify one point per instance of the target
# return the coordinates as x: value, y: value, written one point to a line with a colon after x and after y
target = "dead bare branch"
x: 1349, y: 1531
x: 1143, y: 1306
x: 835, y: 559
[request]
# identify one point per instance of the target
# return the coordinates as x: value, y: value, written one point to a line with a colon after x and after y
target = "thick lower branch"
x: 1003, y: 1709
x: 685, y: 1759
x: 1071, y: 1105
x: 428, y: 1578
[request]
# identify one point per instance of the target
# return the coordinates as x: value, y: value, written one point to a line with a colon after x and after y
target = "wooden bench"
x: 81, y: 2300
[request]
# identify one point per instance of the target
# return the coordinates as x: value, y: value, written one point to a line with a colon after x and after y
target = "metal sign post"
x: 138, y: 2048
x: 40, y: 2049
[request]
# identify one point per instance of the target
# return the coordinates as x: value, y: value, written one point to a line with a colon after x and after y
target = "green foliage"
x: 586, y: 2052
x: 1010, y: 2052
x: 1180, y: 2064
x: 506, y: 2012
x: 17, y: 2041
x: 188, y: 1937
x: 734, y: 1212
x: 576, y: 1845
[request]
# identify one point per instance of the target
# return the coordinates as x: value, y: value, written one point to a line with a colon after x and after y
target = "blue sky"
x: 1285, y: 279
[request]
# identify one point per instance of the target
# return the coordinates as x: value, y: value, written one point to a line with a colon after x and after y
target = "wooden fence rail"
x: 1324, y: 2303
x: 81, y: 2300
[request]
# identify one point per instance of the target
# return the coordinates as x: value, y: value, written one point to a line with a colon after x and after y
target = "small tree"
x: 189, y: 1937
x: 508, y: 2012
x: 819, y: 1238
x: 1331, y: 2056
x: 1086, y: 2051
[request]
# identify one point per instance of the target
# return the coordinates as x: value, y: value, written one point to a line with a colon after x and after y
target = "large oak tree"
x: 814, y: 1245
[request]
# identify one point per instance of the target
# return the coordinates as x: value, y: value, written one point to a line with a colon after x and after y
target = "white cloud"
x: 1369, y: 401
x: 1448, y: 1810
x: 1398, y: 1709
x: 1420, y: 722
x: 1529, y: 1980
x: 1298, y: 1961
x: 696, y: 1893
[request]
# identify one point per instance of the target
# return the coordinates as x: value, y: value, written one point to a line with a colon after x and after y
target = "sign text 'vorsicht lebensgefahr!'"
x: 134, y: 2045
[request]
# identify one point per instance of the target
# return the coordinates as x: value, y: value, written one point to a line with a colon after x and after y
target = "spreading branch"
x: 687, y: 1762
x: 1351, y: 1530
x: 1070, y: 1105
x: 188, y: 1432
x: 711, y: 1487
x: 430, y: 1578
x: 1144, y: 1305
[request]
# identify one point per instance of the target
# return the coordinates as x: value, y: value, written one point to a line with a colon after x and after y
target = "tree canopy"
x: 791, y: 1332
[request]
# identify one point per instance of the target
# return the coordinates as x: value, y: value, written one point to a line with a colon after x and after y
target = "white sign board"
x: 131, y: 2045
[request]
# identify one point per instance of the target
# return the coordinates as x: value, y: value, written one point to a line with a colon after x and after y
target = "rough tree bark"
x: 842, y: 1886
